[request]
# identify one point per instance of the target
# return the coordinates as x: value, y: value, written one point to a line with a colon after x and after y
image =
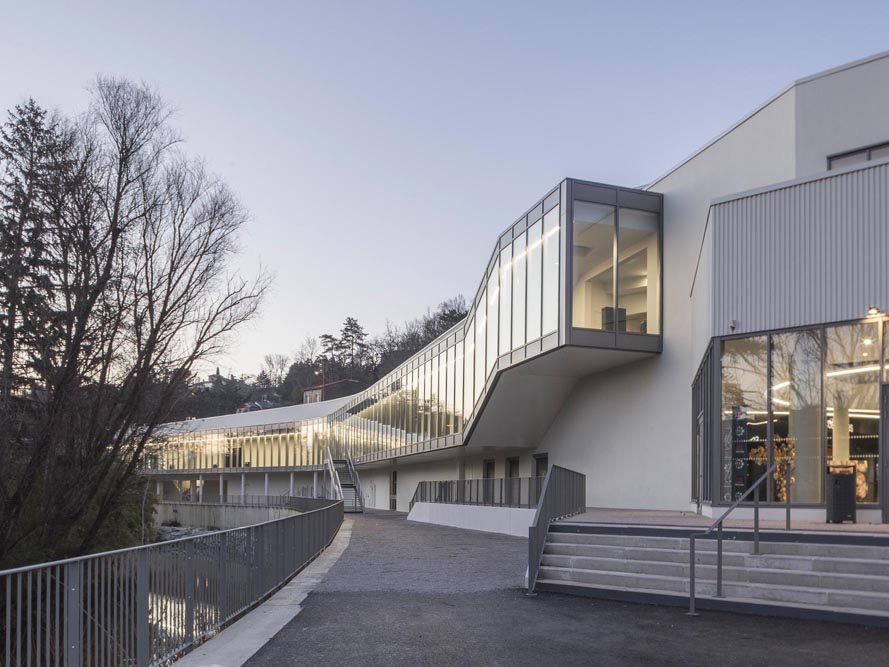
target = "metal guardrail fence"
x: 500, y: 492
x: 144, y: 606
x: 564, y: 494
x: 296, y: 503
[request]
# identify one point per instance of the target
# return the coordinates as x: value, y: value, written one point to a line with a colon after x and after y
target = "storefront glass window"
x: 852, y: 403
x: 796, y: 413
x: 744, y: 447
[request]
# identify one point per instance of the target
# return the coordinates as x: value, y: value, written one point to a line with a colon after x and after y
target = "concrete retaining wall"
x: 506, y: 520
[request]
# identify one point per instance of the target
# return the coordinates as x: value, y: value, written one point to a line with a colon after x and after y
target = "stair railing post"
x: 787, y: 479
x: 756, y: 521
x: 719, y: 560
x: 143, y: 636
x: 691, y: 576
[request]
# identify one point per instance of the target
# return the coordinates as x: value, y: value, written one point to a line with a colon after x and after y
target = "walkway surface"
x: 416, y: 594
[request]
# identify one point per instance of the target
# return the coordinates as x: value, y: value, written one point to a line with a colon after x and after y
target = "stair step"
x: 859, y: 566
x: 866, y: 600
x: 682, y: 600
x: 739, y: 573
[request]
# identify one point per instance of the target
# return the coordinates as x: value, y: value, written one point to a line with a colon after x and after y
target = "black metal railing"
x: 563, y: 494
x: 501, y: 492
x: 717, y: 525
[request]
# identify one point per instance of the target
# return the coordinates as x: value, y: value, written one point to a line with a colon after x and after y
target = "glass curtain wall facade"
x: 809, y: 396
x: 432, y: 400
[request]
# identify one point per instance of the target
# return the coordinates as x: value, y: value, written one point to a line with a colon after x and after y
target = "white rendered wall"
x: 629, y: 429
x: 413, y: 470
x: 504, y: 520
x: 841, y: 110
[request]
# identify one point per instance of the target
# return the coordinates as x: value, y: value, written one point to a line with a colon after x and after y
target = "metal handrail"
x: 334, y: 475
x: 145, y: 605
x: 355, y: 479
x: 717, y: 525
x: 564, y: 494
x: 521, y: 492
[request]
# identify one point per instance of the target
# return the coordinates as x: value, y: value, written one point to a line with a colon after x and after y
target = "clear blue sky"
x: 382, y: 146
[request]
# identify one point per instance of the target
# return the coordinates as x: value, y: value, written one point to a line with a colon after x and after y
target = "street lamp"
x: 320, y: 372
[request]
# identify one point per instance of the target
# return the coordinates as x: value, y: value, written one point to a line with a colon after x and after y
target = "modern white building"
x: 669, y: 341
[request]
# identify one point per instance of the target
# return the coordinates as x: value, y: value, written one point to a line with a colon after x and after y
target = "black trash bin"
x: 840, y: 493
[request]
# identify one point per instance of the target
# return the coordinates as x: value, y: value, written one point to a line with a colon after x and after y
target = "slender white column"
x: 220, y: 488
x: 159, y: 490
x: 291, y: 484
x: 201, y: 489
x: 266, y: 484
x: 315, y: 484
x: 243, y: 488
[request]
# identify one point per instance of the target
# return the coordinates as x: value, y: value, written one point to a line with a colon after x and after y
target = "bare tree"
x: 307, y: 351
x: 135, y: 290
x: 275, y: 367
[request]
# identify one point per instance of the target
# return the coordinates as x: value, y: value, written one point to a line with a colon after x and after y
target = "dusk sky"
x: 381, y: 147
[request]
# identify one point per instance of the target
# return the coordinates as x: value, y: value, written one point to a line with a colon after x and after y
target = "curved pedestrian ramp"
x: 816, y: 575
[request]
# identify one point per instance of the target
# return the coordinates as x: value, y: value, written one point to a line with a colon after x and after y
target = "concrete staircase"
x: 815, y: 575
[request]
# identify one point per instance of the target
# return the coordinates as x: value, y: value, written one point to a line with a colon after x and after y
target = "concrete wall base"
x: 504, y: 520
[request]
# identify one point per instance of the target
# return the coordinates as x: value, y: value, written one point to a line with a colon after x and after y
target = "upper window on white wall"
x: 858, y: 156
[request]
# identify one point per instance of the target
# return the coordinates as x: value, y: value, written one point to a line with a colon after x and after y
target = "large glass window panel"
x: 430, y: 400
x: 744, y: 449
x: 442, y: 394
x: 592, y: 280
x: 493, y: 302
x: 468, y: 370
x: 434, y: 400
x: 852, y: 402
x: 551, y: 271
x: 458, y: 388
x: 638, y: 272
x: 505, y: 299
x: 480, y: 333
x: 451, y: 410
x: 534, y: 280
x: 796, y: 413
x: 519, y: 264
x: 885, y: 352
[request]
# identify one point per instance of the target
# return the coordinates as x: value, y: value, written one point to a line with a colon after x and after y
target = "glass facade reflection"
x: 433, y: 398
x: 808, y: 396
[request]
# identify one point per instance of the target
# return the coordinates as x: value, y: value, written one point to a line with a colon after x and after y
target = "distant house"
x: 329, y: 390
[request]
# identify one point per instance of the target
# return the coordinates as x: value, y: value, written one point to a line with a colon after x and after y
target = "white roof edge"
x: 283, y: 415
x: 811, y: 178
x: 773, y: 98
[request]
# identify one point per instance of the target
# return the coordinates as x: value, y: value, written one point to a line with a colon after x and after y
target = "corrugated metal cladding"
x: 802, y: 254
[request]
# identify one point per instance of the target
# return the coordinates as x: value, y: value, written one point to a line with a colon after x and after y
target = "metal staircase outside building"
x: 350, y: 484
